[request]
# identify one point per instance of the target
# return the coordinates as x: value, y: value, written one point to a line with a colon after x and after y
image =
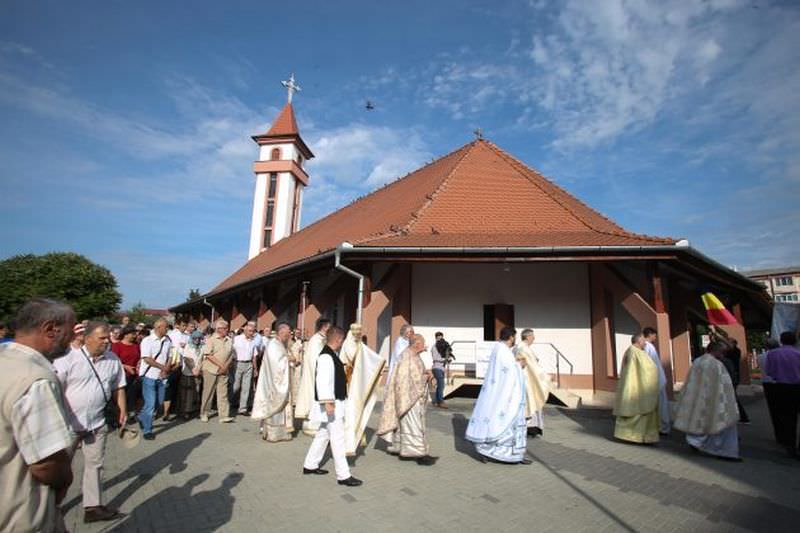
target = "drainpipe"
x: 360, y: 277
x: 205, y: 301
x: 303, y: 302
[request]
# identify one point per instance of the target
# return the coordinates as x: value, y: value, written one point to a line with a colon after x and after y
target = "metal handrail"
x: 559, y: 357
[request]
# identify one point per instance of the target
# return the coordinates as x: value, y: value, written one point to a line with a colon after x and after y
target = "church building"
x: 469, y: 243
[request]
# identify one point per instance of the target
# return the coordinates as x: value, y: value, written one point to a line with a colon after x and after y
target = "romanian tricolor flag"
x: 716, y: 312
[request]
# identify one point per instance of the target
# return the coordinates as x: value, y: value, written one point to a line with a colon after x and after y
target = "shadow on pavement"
x: 461, y: 444
x: 172, y: 455
x: 749, y: 512
x: 203, y: 511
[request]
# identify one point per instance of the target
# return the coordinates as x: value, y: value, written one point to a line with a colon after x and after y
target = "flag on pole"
x: 716, y: 312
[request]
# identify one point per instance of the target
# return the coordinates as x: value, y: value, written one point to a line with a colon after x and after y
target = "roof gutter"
x: 346, y: 247
x: 360, y: 277
x: 682, y: 246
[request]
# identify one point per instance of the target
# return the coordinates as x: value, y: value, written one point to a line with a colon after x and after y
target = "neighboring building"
x: 467, y: 244
x: 782, y: 284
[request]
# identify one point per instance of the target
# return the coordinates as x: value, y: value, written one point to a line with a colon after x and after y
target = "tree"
x: 193, y: 295
x: 89, y: 288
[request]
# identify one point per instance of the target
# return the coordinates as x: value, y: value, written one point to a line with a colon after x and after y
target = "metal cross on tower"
x: 291, y: 87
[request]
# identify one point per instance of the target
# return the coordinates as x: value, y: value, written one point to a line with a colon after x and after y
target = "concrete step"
x: 466, y: 386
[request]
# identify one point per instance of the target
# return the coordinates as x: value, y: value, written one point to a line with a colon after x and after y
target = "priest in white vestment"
x: 363, y: 367
x: 400, y: 345
x: 305, y: 396
x: 497, y: 426
x: 650, y: 337
x: 272, y: 405
x: 537, y: 383
x: 706, y: 409
x: 328, y: 412
x: 404, y: 406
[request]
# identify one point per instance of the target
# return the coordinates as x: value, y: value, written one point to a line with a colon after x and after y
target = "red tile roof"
x: 285, y: 124
x: 476, y: 196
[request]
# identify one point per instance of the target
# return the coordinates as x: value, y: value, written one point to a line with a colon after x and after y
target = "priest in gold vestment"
x: 636, y: 404
x: 537, y: 383
x: 706, y: 409
x: 363, y: 367
x: 403, y: 417
x: 271, y: 404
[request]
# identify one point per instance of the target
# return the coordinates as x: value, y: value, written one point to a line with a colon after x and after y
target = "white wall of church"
x: 257, y: 224
x: 551, y: 298
x: 283, y: 206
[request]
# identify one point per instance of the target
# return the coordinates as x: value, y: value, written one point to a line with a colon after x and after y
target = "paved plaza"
x: 205, y: 477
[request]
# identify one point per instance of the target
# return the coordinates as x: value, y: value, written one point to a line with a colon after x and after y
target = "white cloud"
x: 611, y: 69
x: 356, y: 159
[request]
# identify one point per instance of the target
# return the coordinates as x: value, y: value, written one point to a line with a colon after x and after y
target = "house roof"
x: 285, y: 124
x: 476, y: 196
x: 766, y: 272
x: 284, y: 129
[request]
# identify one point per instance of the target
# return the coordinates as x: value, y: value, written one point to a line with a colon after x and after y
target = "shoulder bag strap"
x: 100, y: 381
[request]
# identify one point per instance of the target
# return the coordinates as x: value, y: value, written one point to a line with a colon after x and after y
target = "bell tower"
x: 280, y: 178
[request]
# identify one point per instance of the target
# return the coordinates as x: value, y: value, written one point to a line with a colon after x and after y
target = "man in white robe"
x: 650, y: 337
x: 400, y: 345
x: 404, y: 406
x: 537, y: 383
x: 328, y: 412
x: 305, y: 397
x: 497, y: 426
x: 706, y: 409
x: 271, y: 404
x: 363, y: 367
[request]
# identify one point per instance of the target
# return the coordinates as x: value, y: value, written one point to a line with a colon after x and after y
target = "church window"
x: 273, y: 184
x: 299, y: 159
x: 276, y: 154
x: 270, y: 213
x: 267, y: 238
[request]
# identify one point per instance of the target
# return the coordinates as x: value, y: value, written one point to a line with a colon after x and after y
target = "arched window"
x: 276, y: 154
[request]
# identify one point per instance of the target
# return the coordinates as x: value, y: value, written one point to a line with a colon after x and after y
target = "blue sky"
x: 125, y: 126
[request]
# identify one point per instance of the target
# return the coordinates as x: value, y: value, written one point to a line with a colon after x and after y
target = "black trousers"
x: 783, y: 400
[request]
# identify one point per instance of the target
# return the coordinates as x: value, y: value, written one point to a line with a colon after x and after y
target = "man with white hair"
x: 271, y: 404
x: 216, y: 362
x: 154, y: 370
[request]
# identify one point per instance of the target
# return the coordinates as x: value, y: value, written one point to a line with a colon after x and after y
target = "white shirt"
x: 191, y: 359
x: 178, y: 339
x: 84, y: 397
x: 326, y: 390
x: 245, y: 348
x: 157, y: 349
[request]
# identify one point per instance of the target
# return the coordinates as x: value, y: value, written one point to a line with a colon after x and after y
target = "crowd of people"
x: 67, y: 386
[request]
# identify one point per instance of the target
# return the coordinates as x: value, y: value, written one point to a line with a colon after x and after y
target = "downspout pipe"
x: 360, y: 277
x: 205, y: 301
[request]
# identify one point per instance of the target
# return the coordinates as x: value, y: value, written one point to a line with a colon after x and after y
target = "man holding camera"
x: 93, y: 382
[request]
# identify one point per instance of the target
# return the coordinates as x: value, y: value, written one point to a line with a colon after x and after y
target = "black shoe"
x: 404, y: 458
x: 149, y: 436
x: 317, y: 471
x: 535, y: 432
x: 350, y: 482
x: 526, y: 461
x: 427, y: 460
x: 100, y: 513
